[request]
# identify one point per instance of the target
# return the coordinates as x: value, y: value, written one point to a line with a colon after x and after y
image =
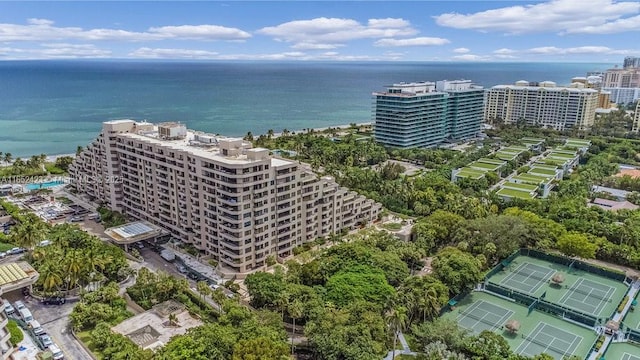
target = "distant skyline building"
x: 623, y: 95
x: 427, y: 114
x: 235, y: 203
x: 542, y: 104
x: 631, y: 62
x: 621, y: 78
x: 636, y: 119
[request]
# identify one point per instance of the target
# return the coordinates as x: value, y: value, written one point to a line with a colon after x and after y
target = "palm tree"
x: 29, y: 233
x: 269, y: 134
x: 282, y: 302
x: 202, y: 288
x: 79, y: 150
x: 295, y: 312
x: 50, y: 275
x: 8, y: 157
x: 248, y: 137
x: 285, y: 132
x: 173, y: 319
x: 429, y: 304
x: 397, y: 321
x: 73, y: 264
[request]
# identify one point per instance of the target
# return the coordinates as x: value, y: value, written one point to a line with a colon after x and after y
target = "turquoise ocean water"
x: 53, y: 106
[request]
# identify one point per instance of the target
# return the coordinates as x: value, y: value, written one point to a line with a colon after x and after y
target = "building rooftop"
x: 16, y: 276
x: 133, y: 232
x: 634, y: 173
x: 612, y: 205
x: 621, y: 194
x: 207, y: 146
x: 151, y: 329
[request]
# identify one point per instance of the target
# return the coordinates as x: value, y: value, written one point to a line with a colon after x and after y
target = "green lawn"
x: 523, y: 187
x: 515, y: 194
x: 392, y: 226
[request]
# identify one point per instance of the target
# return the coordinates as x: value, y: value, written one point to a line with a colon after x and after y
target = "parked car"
x: 45, y: 243
x: 16, y: 250
x: 8, y: 308
x: 56, y: 300
x: 3, y: 255
x: 56, y: 352
x: 193, y: 276
x: 76, y: 218
x: 19, y: 305
x: 45, y: 340
x: 140, y: 245
x: 25, y: 315
x: 182, y: 269
x: 214, y: 286
x: 35, y: 327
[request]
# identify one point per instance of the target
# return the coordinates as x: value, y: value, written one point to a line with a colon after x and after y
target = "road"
x: 55, y: 321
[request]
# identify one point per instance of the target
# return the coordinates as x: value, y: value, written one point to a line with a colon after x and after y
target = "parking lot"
x: 54, y: 319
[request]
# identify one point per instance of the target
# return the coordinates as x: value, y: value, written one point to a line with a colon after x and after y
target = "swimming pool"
x: 44, y: 185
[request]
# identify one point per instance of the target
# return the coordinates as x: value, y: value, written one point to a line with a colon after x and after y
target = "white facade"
x: 636, y: 119
x: 542, y: 105
x: 621, y: 78
x: 236, y: 203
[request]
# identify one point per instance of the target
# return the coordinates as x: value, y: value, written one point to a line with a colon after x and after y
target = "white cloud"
x: 159, y: 53
x: 34, y: 21
x: 617, y: 26
x: 315, y: 46
x: 337, y: 31
x: 461, y: 50
x: 470, y: 57
x: 56, y: 51
x: 419, y: 41
x: 201, y: 32
x: 580, y: 50
x: 44, y: 30
x: 388, y: 23
x: 575, y: 16
x: 504, y: 51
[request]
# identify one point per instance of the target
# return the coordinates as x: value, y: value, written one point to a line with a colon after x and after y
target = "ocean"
x: 53, y: 106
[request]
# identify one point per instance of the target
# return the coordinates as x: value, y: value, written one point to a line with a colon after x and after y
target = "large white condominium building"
x: 636, y: 119
x: 542, y: 104
x: 236, y: 203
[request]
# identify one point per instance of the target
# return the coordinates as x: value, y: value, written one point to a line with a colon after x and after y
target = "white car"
x: 46, y: 341
x: 19, y: 305
x: 8, y: 308
x: 57, y: 353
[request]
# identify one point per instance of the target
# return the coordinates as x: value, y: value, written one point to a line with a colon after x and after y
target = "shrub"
x: 623, y: 303
x: 16, y: 333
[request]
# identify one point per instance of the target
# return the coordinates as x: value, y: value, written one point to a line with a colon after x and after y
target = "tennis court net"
x: 481, y: 319
x: 532, y: 275
x: 590, y: 294
x: 547, y: 346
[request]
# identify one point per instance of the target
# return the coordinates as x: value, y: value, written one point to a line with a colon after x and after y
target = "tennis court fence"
x: 544, y: 305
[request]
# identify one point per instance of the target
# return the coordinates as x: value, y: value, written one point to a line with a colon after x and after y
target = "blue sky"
x: 526, y: 30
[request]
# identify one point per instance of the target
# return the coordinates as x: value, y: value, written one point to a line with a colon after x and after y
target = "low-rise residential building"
x: 613, y: 205
x: 233, y: 202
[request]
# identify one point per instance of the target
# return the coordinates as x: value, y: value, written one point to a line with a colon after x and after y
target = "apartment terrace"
x: 512, y: 193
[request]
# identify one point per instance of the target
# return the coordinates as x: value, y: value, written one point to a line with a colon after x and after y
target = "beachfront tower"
x: 237, y: 204
x: 426, y: 114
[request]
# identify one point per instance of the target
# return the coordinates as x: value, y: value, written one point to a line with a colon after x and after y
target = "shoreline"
x: 54, y: 157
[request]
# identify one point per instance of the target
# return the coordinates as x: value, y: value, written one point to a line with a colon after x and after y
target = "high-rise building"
x: 623, y: 95
x: 621, y: 78
x: 426, y: 114
x: 636, y: 119
x: 631, y: 62
x: 236, y: 203
x: 542, y: 104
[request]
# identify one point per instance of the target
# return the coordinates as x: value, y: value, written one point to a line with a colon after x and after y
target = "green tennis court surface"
x: 528, y: 278
x: 588, y: 296
x: 622, y: 351
x: 579, y: 290
x: 495, y: 312
x: 632, y: 319
x: 551, y: 340
x: 483, y: 315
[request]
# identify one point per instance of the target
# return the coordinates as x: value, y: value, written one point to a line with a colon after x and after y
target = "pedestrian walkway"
x: 405, y: 348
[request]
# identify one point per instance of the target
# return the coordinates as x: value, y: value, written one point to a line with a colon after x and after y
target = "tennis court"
x: 588, y: 296
x: 528, y: 278
x: 627, y: 356
x: 549, y: 339
x: 483, y: 315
